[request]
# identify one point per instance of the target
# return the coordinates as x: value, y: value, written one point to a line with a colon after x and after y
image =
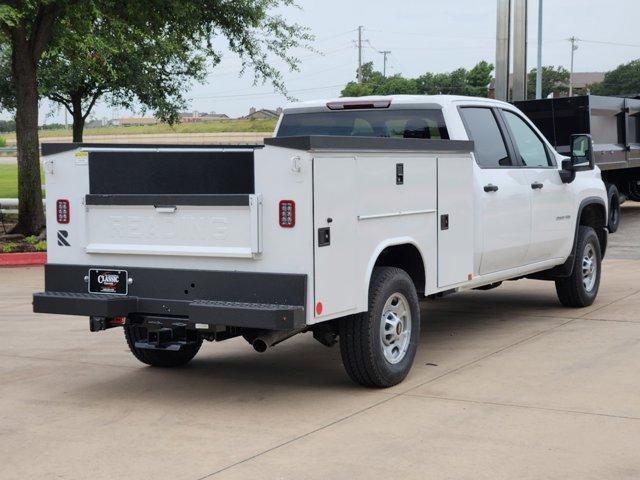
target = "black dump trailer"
x: 614, y: 124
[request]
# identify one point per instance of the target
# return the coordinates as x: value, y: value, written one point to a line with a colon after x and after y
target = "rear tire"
x: 634, y: 189
x: 160, y: 358
x: 613, y: 196
x: 378, y: 346
x: 581, y: 288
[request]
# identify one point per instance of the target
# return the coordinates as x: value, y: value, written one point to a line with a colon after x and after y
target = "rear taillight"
x: 62, y: 211
x: 287, y: 213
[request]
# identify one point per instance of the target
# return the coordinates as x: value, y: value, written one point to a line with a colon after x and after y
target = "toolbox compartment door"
x: 182, y: 225
x: 455, y: 220
x: 335, y: 234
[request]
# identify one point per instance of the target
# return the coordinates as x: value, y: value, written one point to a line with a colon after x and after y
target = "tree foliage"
x: 554, y: 80
x: 76, y: 51
x: 624, y: 80
x: 472, y: 82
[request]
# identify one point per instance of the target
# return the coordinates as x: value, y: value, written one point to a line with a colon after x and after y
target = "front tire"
x: 378, y: 346
x: 581, y: 288
x: 160, y: 358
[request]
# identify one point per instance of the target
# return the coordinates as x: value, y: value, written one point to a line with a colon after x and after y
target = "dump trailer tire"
x: 581, y: 288
x: 378, y: 346
x: 613, y: 196
x: 161, y: 358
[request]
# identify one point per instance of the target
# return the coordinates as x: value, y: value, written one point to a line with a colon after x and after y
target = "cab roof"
x: 388, y: 101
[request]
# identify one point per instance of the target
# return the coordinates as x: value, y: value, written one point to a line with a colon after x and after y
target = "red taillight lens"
x: 62, y: 211
x: 287, y: 213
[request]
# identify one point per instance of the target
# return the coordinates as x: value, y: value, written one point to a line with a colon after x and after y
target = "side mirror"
x: 567, y: 172
x: 582, y: 153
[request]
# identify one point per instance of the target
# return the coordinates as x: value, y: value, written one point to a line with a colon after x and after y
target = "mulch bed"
x: 18, y: 250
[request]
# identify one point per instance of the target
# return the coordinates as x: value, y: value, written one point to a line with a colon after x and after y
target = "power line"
x: 422, y: 34
x: 615, y: 44
x: 331, y: 37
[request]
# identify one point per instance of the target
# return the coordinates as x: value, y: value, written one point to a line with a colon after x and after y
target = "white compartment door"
x: 455, y: 220
x: 334, y: 235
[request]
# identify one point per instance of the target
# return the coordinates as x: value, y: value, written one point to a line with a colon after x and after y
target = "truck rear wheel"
x: 160, y: 358
x: 581, y: 288
x: 614, y: 207
x: 378, y: 346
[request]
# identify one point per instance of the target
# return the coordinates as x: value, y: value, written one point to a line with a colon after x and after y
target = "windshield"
x: 426, y: 123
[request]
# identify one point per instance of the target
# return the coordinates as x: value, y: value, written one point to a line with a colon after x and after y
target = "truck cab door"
x: 502, y: 191
x: 551, y: 200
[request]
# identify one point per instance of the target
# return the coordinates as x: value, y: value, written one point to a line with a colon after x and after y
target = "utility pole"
x: 574, y: 47
x: 360, y: 54
x: 519, y: 90
x: 384, y: 62
x: 539, y: 64
x: 503, y: 43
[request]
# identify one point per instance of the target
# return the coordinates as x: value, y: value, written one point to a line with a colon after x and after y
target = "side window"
x: 482, y: 127
x: 531, y: 148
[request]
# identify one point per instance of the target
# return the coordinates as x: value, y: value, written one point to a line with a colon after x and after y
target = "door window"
x: 530, y: 147
x: 482, y: 127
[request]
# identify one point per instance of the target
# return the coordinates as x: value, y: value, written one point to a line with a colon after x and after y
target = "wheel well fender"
x: 402, y: 252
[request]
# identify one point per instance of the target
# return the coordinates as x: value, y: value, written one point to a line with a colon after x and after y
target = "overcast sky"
x: 422, y: 35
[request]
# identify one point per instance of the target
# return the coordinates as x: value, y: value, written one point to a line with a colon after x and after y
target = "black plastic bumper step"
x: 91, y: 304
x: 252, y: 315
x: 235, y: 314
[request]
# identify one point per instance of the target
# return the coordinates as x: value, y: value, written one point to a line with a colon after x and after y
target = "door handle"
x: 537, y: 185
x: 491, y: 188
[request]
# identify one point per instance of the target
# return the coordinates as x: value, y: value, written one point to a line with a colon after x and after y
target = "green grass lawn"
x: 9, y: 181
x: 218, y: 126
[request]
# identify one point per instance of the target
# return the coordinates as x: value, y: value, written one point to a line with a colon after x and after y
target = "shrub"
x: 3, y: 142
x: 41, y: 246
x: 9, y: 248
x: 31, y: 240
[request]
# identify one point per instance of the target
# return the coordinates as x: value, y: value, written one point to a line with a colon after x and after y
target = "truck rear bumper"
x: 239, y: 299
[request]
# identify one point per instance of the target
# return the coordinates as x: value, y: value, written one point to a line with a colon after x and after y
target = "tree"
x: 459, y: 82
x: 479, y: 78
x: 28, y: 28
x: 128, y: 66
x: 624, y: 80
x: 554, y: 80
x: 34, y: 27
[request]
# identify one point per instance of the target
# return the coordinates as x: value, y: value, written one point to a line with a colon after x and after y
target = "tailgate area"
x: 193, y: 232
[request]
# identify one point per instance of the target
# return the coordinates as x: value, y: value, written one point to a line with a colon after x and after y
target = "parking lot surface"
x: 506, y: 384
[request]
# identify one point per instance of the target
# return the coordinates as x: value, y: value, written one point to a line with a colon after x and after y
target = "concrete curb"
x: 22, y: 259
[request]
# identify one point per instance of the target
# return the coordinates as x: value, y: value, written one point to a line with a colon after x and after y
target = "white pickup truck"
x: 355, y: 210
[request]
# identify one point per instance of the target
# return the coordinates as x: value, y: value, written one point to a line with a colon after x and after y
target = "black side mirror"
x: 567, y: 173
x: 582, y: 152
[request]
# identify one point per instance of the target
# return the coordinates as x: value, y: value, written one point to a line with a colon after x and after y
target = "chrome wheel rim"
x: 589, y: 267
x: 395, y: 328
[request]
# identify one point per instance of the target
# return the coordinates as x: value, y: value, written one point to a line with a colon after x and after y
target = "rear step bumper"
x: 238, y: 299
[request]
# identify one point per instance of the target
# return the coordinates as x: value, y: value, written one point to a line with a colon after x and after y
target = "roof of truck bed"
x: 397, y: 101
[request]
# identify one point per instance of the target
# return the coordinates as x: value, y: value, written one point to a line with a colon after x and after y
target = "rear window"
x: 427, y: 123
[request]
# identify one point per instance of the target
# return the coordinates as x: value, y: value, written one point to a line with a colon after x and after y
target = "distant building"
x: 262, y: 114
x: 581, y: 83
x: 137, y: 121
x: 195, y: 117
